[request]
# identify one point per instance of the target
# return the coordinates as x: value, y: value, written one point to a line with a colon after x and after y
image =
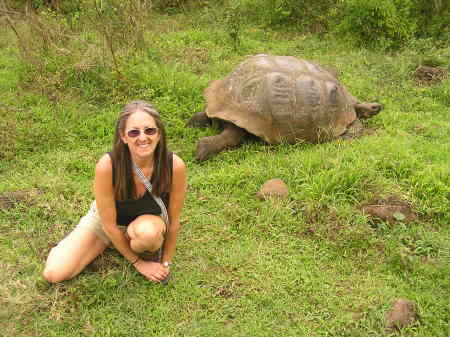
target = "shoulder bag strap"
x: 158, y: 200
x: 148, y: 186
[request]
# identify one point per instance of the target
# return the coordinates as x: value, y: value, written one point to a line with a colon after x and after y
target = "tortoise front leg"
x: 208, y: 147
x: 199, y: 119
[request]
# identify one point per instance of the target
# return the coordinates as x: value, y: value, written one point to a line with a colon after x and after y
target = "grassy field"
x: 310, y: 265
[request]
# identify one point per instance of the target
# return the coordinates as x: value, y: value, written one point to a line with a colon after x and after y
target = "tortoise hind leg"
x: 199, y: 119
x: 208, y: 147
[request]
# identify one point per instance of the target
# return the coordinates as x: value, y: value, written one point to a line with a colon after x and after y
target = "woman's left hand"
x: 154, y: 271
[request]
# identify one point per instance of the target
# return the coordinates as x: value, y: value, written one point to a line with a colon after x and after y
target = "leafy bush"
x: 433, y: 18
x: 174, y: 6
x: 390, y: 23
x: 306, y: 15
x: 382, y: 23
x: 65, y: 7
x: 377, y: 23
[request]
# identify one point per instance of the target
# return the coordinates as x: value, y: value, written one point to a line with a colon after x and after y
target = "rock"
x: 390, y: 213
x: 401, y: 314
x: 390, y: 210
x: 273, y: 188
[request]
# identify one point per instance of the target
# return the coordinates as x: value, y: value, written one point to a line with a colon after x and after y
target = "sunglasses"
x: 136, y: 132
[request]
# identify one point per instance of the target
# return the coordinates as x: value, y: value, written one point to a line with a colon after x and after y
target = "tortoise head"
x: 367, y: 110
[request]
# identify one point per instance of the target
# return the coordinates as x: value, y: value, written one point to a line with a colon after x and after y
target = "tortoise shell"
x: 282, y: 98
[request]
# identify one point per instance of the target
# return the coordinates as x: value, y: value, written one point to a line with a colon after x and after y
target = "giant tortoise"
x: 279, y: 99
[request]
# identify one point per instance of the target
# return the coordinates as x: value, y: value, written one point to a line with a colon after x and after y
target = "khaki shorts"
x: 92, y: 222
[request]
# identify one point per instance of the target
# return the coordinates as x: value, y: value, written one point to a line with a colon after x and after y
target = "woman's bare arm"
x: 104, y: 197
x: 177, y: 196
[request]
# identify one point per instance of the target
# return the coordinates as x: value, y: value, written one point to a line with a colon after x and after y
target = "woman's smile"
x: 141, y: 135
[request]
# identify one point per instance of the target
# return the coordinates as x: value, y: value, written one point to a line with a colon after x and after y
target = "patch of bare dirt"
x: 224, y: 292
x: 391, y: 210
x: 425, y: 75
x: 230, y: 290
x: 402, y: 313
x: 10, y: 199
x: 106, y: 260
x: 321, y: 221
x: 419, y: 128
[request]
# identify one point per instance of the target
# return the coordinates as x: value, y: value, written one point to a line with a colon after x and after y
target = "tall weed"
x: 83, y: 53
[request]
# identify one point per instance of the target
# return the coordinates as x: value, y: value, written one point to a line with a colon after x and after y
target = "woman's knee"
x: 146, y: 233
x: 72, y: 254
x: 55, y: 275
x: 51, y: 276
x: 147, y: 228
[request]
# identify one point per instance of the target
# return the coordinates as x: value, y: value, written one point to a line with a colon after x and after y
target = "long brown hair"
x: 121, y: 157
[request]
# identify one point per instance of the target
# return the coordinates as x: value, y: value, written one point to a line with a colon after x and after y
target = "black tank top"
x: 128, y: 210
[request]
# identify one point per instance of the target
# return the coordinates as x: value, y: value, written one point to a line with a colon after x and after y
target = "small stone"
x: 273, y: 188
x: 401, y: 314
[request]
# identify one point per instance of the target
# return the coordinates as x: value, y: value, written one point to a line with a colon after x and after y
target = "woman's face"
x: 142, y: 145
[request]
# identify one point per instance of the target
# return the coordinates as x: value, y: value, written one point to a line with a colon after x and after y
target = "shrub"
x: 382, y: 23
x: 174, y: 6
x: 390, y: 23
x: 306, y: 15
x: 433, y: 18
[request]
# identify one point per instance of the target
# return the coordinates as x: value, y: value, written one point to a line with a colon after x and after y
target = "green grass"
x: 310, y: 265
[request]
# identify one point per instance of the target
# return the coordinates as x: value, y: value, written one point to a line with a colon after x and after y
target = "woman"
x: 124, y: 213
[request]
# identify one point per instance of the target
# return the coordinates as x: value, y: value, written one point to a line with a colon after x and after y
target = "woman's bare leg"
x: 72, y: 255
x: 146, y: 233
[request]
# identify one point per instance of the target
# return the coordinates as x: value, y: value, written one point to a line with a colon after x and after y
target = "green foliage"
x: 176, y: 6
x: 83, y: 53
x: 312, y: 264
x: 306, y: 15
x: 65, y: 7
x: 381, y: 23
x: 433, y: 18
x: 389, y: 24
x: 234, y: 21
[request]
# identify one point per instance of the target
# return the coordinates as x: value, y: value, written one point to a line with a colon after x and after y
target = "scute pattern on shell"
x: 282, y: 98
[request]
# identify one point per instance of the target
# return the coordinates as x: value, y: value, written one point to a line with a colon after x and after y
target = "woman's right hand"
x: 154, y: 271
